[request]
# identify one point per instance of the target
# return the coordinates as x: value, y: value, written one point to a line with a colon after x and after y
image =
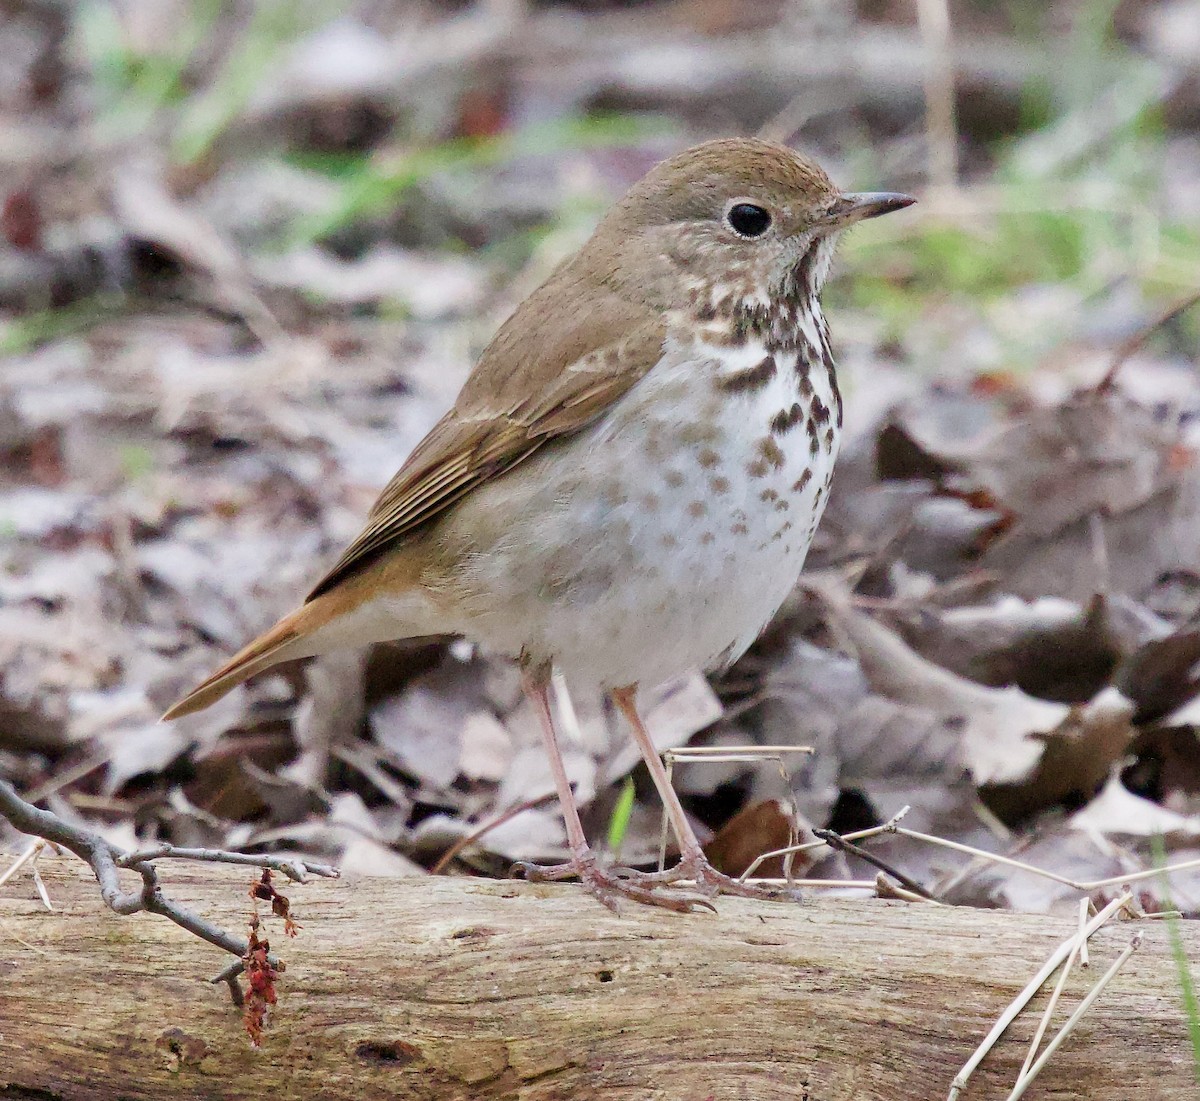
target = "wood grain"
x: 458, y: 988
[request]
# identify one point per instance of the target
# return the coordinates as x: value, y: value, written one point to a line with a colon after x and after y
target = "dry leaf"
x: 994, y: 725
x: 757, y: 829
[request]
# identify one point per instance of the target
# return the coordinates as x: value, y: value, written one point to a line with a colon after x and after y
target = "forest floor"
x: 248, y: 254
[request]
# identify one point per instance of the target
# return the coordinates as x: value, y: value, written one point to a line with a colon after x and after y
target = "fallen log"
x: 445, y: 988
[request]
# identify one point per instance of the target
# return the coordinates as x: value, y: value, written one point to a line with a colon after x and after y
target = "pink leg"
x: 689, y: 843
x: 608, y: 886
x: 693, y: 864
x: 537, y: 688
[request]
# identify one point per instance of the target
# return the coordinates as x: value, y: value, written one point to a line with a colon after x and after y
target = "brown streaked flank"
x: 749, y: 378
x: 787, y: 419
x: 772, y: 452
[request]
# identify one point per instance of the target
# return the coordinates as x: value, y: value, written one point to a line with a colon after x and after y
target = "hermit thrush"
x: 628, y: 483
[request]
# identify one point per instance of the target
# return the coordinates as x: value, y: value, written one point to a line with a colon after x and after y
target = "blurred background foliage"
x: 1060, y: 161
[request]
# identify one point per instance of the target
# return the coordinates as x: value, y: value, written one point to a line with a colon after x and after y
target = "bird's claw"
x: 612, y: 885
x: 709, y: 882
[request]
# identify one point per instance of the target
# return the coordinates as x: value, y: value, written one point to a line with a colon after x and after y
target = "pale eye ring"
x: 747, y: 219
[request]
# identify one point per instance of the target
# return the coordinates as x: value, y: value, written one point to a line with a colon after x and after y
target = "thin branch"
x: 294, y: 868
x: 1137, y: 340
x: 1032, y: 987
x: 106, y: 860
x: 842, y: 845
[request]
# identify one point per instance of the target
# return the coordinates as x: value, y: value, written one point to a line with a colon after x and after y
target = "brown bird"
x: 629, y: 481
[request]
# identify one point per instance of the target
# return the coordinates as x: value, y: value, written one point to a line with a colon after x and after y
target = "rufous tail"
x: 283, y: 641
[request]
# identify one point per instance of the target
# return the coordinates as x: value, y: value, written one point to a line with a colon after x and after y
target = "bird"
x: 628, y: 482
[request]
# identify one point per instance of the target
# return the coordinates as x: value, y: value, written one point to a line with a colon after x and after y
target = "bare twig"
x: 1077, y: 950
x: 1087, y: 885
x: 106, y: 860
x: 1026, y: 1080
x: 1032, y: 987
x: 842, y: 845
x: 1135, y: 342
x: 294, y: 868
x: 874, y: 831
x: 885, y: 888
x: 1084, y: 885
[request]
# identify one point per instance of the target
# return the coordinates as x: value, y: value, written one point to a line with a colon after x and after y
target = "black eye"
x: 748, y: 220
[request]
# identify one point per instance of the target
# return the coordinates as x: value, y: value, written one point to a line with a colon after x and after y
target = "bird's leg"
x: 607, y: 885
x: 693, y: 864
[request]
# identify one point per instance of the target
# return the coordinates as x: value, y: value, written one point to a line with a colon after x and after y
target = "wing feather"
x: 532, y: 385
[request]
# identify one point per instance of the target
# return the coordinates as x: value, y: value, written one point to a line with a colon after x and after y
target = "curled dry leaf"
x: 1077, y: 757
x: 1050, y: 648
x: 994, y: 725
x: 759, y: 828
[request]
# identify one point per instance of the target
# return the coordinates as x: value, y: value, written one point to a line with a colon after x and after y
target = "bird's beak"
x: 855, y: 206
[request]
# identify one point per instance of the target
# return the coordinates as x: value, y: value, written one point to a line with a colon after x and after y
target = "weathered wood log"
x: 460, y: 988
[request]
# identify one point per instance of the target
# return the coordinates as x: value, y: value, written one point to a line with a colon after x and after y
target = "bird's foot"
x: 696, y: 869
x: 612, y: 885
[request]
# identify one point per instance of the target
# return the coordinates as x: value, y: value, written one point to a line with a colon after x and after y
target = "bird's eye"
x: 748, y: 220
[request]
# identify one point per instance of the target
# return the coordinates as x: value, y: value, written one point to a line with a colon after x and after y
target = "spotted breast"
x: 671, y: 531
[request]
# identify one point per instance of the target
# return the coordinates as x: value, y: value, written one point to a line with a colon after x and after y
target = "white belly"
x: 664, y: 537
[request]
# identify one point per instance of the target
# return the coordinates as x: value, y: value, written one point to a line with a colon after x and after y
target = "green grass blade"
x: 1187, y: 985
x: 618, y: 824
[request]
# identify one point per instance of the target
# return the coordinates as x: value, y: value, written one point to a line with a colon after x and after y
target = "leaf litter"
x: 213, y: 362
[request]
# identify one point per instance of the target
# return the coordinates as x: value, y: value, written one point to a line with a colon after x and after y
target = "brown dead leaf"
x: 1049, y: 648
x: 1163, y: 676
x: 1165, y: 765
x: 1079, y: 754
x: 1095, y: 452
x: 757, y: 829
